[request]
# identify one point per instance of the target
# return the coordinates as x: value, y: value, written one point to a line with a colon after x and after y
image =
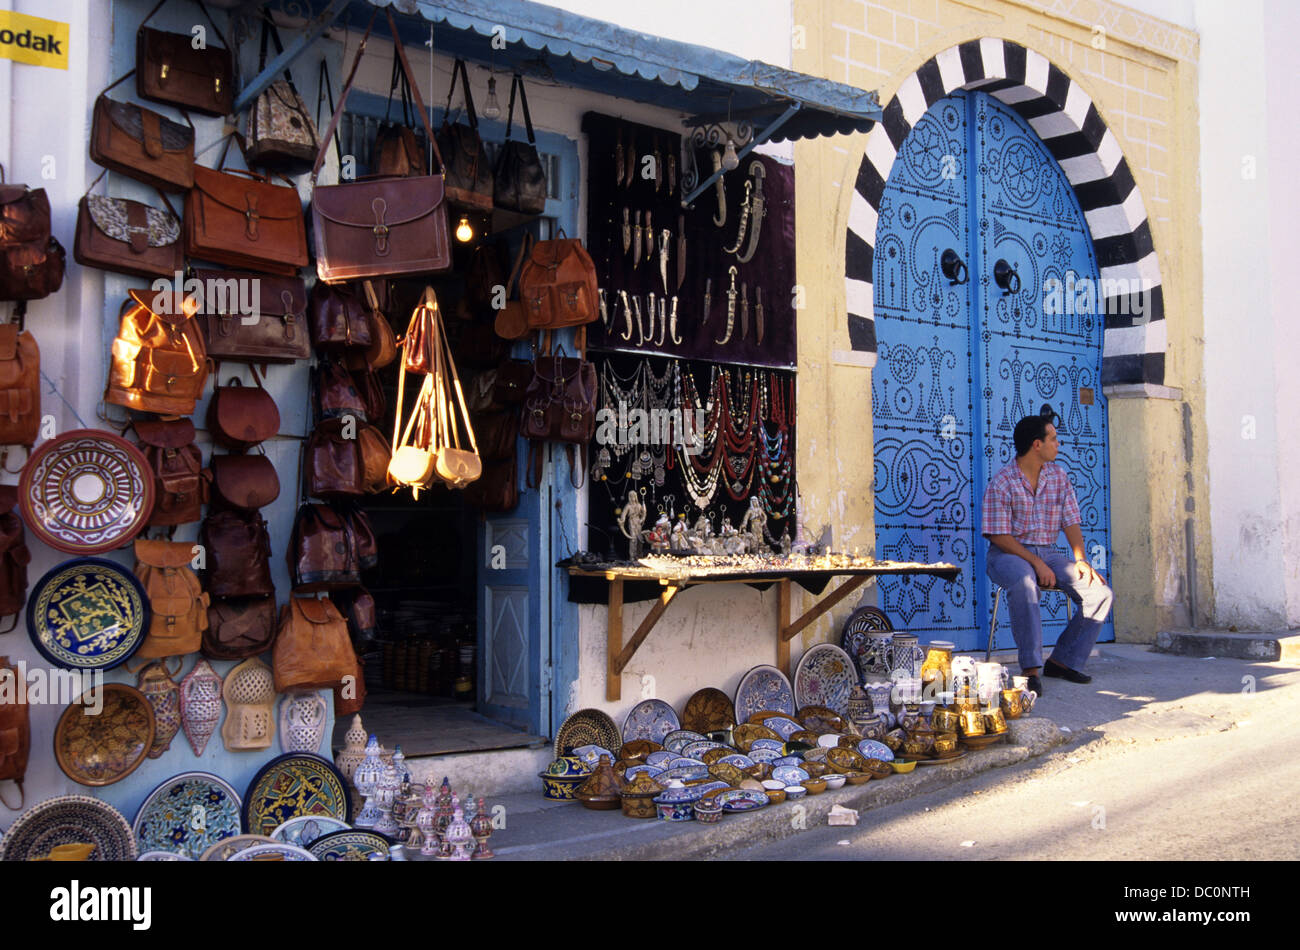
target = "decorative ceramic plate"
x: 651, y: 719
x: 639, y: 749
x: 684, y: 773
x: 727, y: 773
x: 86, y: 491
x: 747, y: 733
x: 660, y: 760
x: 299, y: 783
x: 787, y: 760
x: 825, y: 677
x: 589, y: 755
x: 763, y: 687
x: 760, y: 756
x: 87, y: 614
x: 772, y: 745
x: 820, y: 719
x: 275, y: 851
x: 189, y: 812
x: 164, y: 856
x: 685, y: 761
x: 805, y: 736
x: 349, y: 845
x: 227, y: 848
x: 104, y: 748
x: 676, y: 741
x: 856, y: 639
x: 783, y: 727
x: 632, y: 771
x: 697, y: 748
x: 872, y: 749
x: 738, y: 760
x: 587, y: 727
x: 741, y: 799
x: 829, y: 740
x: 789, y: 774
x: 708, y: 709
x: 69, y: 819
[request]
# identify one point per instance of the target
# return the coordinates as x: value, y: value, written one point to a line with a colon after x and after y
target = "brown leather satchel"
x: 558, y: 285
x: 15, y: 731
x: 239, y: 416
x: 237, y: 550
x: 142, y: 144
x: 178, y: 606
x: 159, y: 361
x: 31, y: 261
x: 337, y: 394
x: 469, y: 175
x: 244, y: 481
x: 169, y: 69
x: 339, y: 318
x: 180, y: 480
x: 560, y: 402
x: 397, y: 152
x: 312, y: 649
x: 322, y: 552
x: 240, y: 219
x: 14, y: 558
x: 276, y: 333
x: 383, y: 342
x: 498, y: 488
x: 128, y: 237
x: 376, y: 453
x: 239, y: 628
x: 20, y: 386
x: 384, y: 227
x: 333, y: 461
x: 497, y: 432
x: 363, y: 535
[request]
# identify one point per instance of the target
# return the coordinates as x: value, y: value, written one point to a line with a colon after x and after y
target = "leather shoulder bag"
x: 239, y: 628
x: 15, y: 731
x: 20, y: 386
x: 337, y: 394
x: 171, y: 71
x: 142, y: 144
x: 244, y: 481
x: 520, y: 181
x: 397, y: 151
x: 159, y: 362
x: 469, y: 177
x: 322, y: 552
x: 512, y: 319
x: 312, y: 649
x: 128, y: 237
x: 376, y: 453
x: 386, y: 227
x: 180, y: 480
x: 275, y: 333
x: 239, y: 416
x: 238, y: 551
x: 178, y: 607
x: 14, y: 558
x: 31, y: 260
x: 558, y: 285
x: 335, y: 468
x: 339, y: 318
x: 281, y: 134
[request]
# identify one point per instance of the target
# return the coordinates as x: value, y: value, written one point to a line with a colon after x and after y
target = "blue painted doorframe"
x: 961, y: 360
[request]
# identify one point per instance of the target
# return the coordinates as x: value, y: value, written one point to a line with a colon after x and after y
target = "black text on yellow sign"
x: 33, y: 40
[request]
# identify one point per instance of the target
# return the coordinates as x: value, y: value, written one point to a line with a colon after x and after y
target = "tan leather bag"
x: 15, y: 731
x: 376, y: 454
x: 159, y: 360
x: 558, y: 285
x: 177, y: 602
x: 142, y: 144
x: 20, y: 386
x: 312, y: 649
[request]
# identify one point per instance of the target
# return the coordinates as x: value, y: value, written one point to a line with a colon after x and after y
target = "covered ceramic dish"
x: 639, y: 795
x: 562, y: 777
x: 677, y: 802
x: 602, y: 789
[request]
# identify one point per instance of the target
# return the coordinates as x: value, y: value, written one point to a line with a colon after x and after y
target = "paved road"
x: 1171, y: 758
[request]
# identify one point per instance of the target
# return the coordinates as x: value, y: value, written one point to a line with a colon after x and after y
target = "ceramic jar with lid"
x: 936, y: 671
x: 639, y: 795
x: 602, y: 789
x: 677, y: 802
x: 366, y: 779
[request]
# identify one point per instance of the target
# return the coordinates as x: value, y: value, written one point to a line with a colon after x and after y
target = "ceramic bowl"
x: 775, y: 796
x: 793, y: 792
x: 815, y: 786
x: 858, y: 778
x: 834, y: 781
x: 567, y: 766
x: 561, y: 788
x: 918, y: 745
x: 902, y: 768
x: 877, y: 768
x: 772, y: 784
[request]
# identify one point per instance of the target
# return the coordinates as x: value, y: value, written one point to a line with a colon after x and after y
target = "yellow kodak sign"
x: 33, y: 40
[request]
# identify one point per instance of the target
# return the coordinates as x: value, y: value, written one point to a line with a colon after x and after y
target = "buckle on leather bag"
x: 251, y: 218
x: 380, y: 207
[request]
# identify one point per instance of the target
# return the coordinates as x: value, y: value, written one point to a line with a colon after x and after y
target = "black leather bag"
x: 520, y: 180
x: 469, y: 177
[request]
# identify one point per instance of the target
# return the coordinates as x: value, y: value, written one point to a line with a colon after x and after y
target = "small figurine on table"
x: 681, y: 543
x: 732, y: 540
x: 660, y: 536
x: 630, y: 520
x: 755, y: 522
x: 785, y: 541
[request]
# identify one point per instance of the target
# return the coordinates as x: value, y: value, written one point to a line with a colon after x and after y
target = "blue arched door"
x: 961, y: 358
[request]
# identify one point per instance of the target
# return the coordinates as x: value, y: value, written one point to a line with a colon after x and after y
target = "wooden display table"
x: 675, y: 575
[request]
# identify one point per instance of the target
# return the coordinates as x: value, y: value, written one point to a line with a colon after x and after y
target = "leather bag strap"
x: 458, y: 69
x: 518, y: 83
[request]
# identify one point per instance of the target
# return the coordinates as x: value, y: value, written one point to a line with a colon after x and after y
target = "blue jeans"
x: 1016, y: 575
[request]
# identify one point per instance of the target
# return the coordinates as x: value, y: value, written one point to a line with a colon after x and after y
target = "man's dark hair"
x: 1028, y: 431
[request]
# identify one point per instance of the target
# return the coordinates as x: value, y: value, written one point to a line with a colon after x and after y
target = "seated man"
x: 1026, y: 506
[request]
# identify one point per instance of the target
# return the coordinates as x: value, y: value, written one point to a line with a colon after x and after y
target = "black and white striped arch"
x: 1068, y: 123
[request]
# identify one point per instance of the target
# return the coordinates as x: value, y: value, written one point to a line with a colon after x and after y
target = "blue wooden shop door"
x: 960, y: 363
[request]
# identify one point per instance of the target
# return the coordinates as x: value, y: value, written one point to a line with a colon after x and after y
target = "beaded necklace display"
x: 739, y: 442
x: 774, y: 482
x: 702, y: 470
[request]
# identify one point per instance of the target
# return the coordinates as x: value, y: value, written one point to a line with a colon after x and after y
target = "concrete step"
x: 1278, y: 646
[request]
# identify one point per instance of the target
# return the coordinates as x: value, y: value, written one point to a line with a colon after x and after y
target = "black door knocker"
x: 953, y: 267
x: 1006, y: 277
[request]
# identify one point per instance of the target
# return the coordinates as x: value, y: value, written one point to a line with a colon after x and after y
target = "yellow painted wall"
x: 1143, y: 81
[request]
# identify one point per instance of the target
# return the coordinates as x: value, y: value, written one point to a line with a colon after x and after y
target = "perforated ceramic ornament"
x: 249, y: 692
x: 164, y: 695
x: 200, y: 698
x: 302, y: 721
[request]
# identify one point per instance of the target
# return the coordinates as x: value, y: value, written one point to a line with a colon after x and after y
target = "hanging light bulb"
x: 464, y: 233
x: 730, y: 161
x: 492, y: 108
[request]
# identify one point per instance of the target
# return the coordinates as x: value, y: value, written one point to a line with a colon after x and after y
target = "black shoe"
x: 1052, y: 668
x: 1036, y: 684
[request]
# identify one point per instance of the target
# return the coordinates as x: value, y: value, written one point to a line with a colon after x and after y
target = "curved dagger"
x: 640, y: 323
x: 731, y: 306
x: 744, y: 220
x: 663, y: 318
x: 673, y: 323
x: 627, y: 312
x: 758, y: 315
x: 744, y: 310
x: 758, y: 208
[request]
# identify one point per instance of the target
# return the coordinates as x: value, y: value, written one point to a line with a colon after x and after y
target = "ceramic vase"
x: 482, y: 828
x: 386, y: 791
x: 399, y: 765
x: 302, y: 721
x: 366, y: 779
x: 352, y: 755
x: 165, y: 697
x: 879, y: 693
x: 426, y: 822
x: 905, y: 656
x: 200, y: 704
x: 458, y: 834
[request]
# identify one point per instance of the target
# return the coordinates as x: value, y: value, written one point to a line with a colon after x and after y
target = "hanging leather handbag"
x: 159, y: 361
x: 244, y: 481
x: 274, y: 332
x: 169, y: 69
x: 281, y: 134
x: 375, y: 456
x: 560, y: 402
x: 519, y: 183
x: 397, y: 152
x: 558, y: 285
x: 337, y: 394
x: 239, y: 628
x: 383, y: 342
x: 512, y: 318
x: 142, y: 144
x: 363, y: 536
x: 486, y: 274
x: 469, y: 176
x: 128, y: 237
x: 20, y: 386
x: 322, y: 552
x: 312, y: 649
x: 339, y: 318
x: 178, y: 607
x: 372, y: 394
x: 239, y: 416
x: 498, y: 489
x: 419, y: 342
x: 363, y: 615
x: 237, y: 551
x: 385, y: 227
x: 497, y: 432
x: 14, y: 558
x: 15, y: 731
x: 239, y: 219
x: 333, y: 461
x: 31, y: 260
x: 482, y: 395
x: 180, y: 480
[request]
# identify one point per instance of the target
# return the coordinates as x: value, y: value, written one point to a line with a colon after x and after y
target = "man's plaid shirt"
x: 1011, y: 508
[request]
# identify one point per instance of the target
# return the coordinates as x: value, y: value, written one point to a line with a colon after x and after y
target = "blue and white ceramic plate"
x: 305, y: 829
x: 685, y: 760
x: 790, y: 774
x: 676, y: 741
x: 787, y: 760
x: 699, y: 747
x: 349, y: 845
x: 683, y: 773
x: 783, y: 727
x: 300, y: 783
x: 652, y: 719
x: 660, y: 760
x: 774, y: 745
x: 871, y: 749
x: 760, y: 756
x: 825, y: 677
x: 738, y: 760
x: 589, y: 755
x: 741, y: 799
x: 273, y: 852
x: 763, y: 687
x: 188, y: 813
x: 632, y: 771
x: 88, y: 614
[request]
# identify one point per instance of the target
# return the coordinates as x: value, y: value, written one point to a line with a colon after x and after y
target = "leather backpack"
x: 244, y: 481
x: 238, y: 554
x: 560, y: 402
x: 312, y: 649
x: 498, y: 488
x: 278, y: 334
x: 171, y: 71
x: 15, y: 730
x: 519, y: 183
x: 20, y: 386
x: 178, y: 607
x: 239, y: 628
x: 334, y: 464
x: 142, y: 144
x: 363, y: 537
x: 31, y: 260
x: 239, y: 416
x: 469, y: 176
x: 322, y: 552
x: 180, y: 480
x: 159, y: 360
x: 363, y: 616
x: 14, y: 558
x: 558, y: 285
